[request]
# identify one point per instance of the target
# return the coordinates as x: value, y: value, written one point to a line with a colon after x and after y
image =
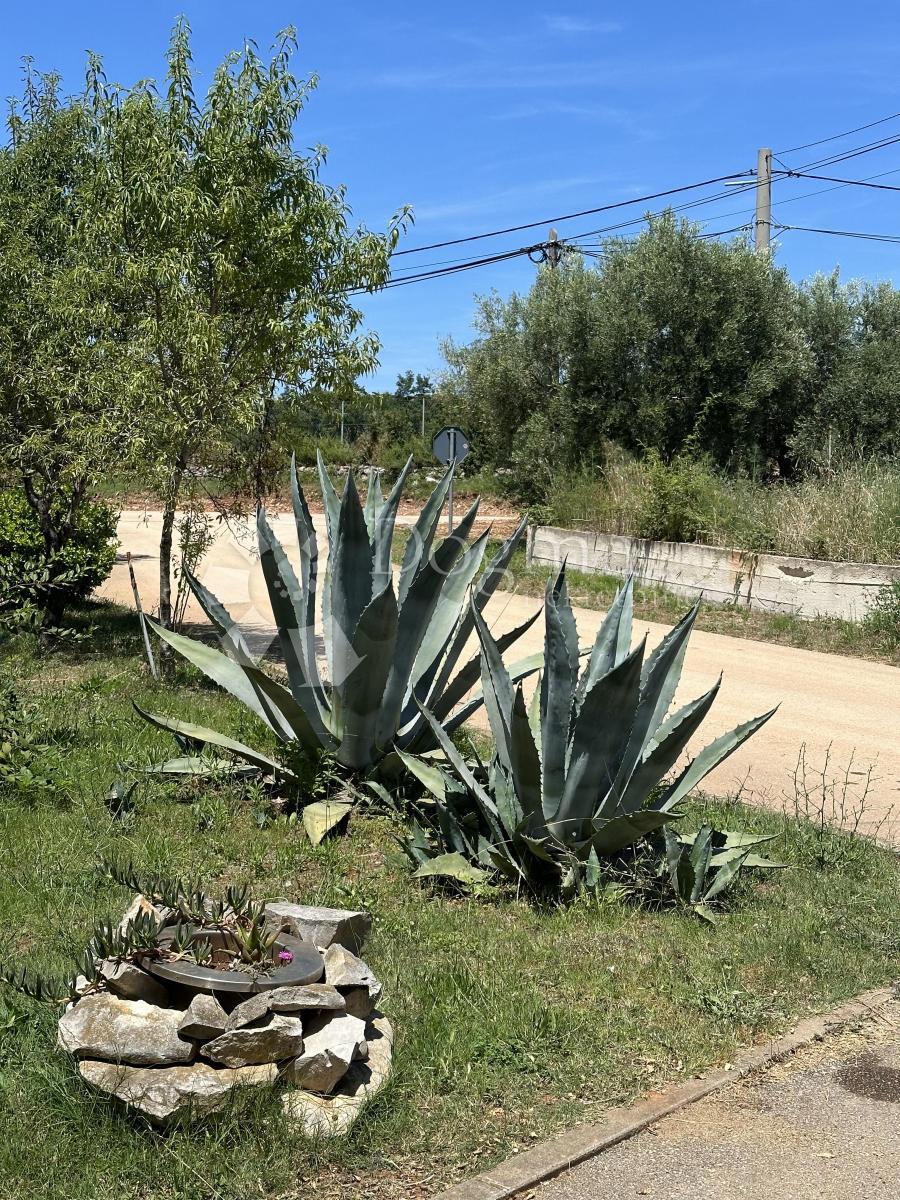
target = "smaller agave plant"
x: 702, y: 867
x: 391, y: 645
x: 578, y: 774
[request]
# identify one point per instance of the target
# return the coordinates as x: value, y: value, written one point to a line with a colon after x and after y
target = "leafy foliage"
x: 578, y: 774
x: 388, y: 651
x: 32, y: 576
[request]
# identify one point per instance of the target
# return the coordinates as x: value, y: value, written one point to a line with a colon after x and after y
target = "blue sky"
x: 492, y: 114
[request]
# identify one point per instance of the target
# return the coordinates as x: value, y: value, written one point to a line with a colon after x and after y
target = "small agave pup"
x: 576, y: 775
x: 388, y: 651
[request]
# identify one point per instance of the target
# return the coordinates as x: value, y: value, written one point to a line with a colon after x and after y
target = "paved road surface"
x: 822, y: 1126
x: 851, y: 705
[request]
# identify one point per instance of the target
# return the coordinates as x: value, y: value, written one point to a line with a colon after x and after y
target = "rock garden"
x: 189, y: 1001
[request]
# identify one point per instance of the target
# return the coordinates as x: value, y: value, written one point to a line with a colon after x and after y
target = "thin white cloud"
x: 559, y: 23
x: 503, y: 200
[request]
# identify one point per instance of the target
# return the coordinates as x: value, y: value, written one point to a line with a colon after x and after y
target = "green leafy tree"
x: 672, y: 344
x: 240, y: 262
x: 68, y: 378
x: 853, y: 395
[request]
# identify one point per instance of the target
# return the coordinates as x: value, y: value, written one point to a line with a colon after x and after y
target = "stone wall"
x: 804, y: 587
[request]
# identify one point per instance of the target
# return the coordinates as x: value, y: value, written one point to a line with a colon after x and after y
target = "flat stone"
x: 344, y: 970
x: 332, y: 1116
x: 330, y: 1046
x: 205, y: 1019
x: 316, y: 996
x: 279, y: 1038
x: 130, y: 1031
x: 163, y: 1093
x: 248, y: 1011
x: 323, y: 927
x: 129, y: 982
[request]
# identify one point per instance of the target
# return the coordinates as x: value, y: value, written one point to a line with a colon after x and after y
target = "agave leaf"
x: 708, y: 758
x: 431, y: 776
x: 451, y: 866
x: 557, y: 688
x: 416, y: 613
x: 234, y: 677
x: 253, y: 687
x: 725, y: 877
x: 290, y: 614
x: 374, y: 501
x: 662, y: 755
x: 600, y: 736
x: 228, y: 628
x: 418, y: 546
x: 526, y: 764
x: 197, y: 765
x: 497, y: 690
x: 324, y: 815
x: 445, y: 699
x: 330, y: 501
x: 448, y: 608
x: 351, y: 588
x: 384, y: 532
x: 485, y: 588
x: 199, y: 734
x: 374, y: 646
x: 731, y: 839
x: 658, y: 682
x: 309, y: 571
x: 615, y: 833
x: 701, y: 853
x: 613, y: 641
x: 519, y: 670
x: 460, y: 765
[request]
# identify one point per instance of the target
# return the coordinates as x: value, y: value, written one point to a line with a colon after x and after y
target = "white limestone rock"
x: 306, y: 997
x: 163, y: 1093
x: 204, y: 1020
x: 351, y: 976
x: 331, y: 1116
x: 331, y: 1044
x: 278, y: 1038
x: 323, y: 927
x: 129, y: 1031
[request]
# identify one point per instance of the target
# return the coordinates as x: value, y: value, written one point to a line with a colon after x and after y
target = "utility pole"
x: 342, y: 422
x: 553, y: 250
x: 762, y: 227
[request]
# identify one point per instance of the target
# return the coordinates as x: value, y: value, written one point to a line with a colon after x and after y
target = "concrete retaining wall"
x: 804, y: 587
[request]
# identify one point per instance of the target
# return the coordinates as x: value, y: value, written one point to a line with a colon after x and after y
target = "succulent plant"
x: 578, y: 774
x: 703, y: 866
x: 390, y: 648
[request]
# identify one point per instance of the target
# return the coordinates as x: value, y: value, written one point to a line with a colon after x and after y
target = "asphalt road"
x: 821, y: 1126
x: 842, y: 709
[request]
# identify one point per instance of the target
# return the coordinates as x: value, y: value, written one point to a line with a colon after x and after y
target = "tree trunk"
x: 165, y: 542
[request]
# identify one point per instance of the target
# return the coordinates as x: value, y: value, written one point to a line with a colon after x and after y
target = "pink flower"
x: 285, y: 956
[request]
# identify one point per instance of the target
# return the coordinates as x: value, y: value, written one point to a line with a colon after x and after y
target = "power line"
x: 586, y: 212
x: 884, y: 187
x: 892, y: 238
x: 836, y: 136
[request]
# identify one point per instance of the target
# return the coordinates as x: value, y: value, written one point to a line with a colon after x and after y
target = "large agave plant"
x: 389, y: 649
x: 576, y: 774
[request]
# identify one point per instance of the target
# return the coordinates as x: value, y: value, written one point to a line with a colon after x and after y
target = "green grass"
x: 513, y: 1019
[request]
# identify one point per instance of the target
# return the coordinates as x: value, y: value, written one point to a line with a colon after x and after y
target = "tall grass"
x: 851, y: 514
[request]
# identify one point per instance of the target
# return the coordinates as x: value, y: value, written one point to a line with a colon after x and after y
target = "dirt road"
x: 849, y: 705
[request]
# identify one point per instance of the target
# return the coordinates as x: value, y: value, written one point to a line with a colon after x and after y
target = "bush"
x: 883, y: 618
x: 28, y: 578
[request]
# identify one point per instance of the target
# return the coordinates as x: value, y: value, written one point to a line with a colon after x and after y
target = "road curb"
x: 585, y: 1141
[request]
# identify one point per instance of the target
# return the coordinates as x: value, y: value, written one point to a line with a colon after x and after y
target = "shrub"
x: 32, y: 578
